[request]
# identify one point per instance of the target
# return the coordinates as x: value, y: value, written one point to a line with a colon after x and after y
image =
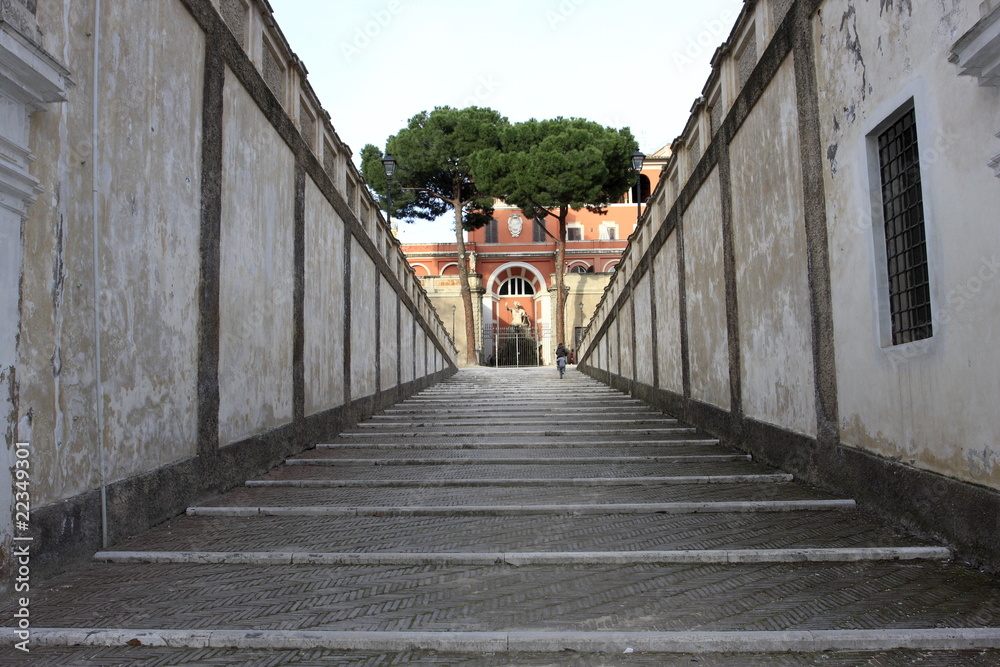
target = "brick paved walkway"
x: 502, y: 517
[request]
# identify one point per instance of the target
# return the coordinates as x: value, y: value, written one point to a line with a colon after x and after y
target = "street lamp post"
x: 637, y: 160
x: 389, y: 164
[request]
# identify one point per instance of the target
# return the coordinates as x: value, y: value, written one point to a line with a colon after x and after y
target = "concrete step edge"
x: 513, y: 421
x: 576, y: 444
x: 679, y: 458
x: 514, y: 641
x: 550, y: 432
x: 513, y: 510
x: 520, y: 481
x: 529, y: 558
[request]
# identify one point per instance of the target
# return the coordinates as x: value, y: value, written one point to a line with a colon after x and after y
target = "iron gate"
x: 513, y: 346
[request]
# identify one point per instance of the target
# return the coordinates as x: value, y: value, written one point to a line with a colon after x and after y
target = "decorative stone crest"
x: 515, y: 224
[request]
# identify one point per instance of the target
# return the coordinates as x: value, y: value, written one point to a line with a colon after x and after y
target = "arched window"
x: 516, y: 287
x: 644, y: 189
x: 581, y: 268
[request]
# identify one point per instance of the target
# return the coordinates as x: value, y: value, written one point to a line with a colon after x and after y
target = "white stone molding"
x: 977, y: 53
x: 27, y: 73
x: 29, y: 79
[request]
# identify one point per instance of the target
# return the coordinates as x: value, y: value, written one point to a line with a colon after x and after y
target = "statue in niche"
x: 514, y: 225
x: 518, y: 316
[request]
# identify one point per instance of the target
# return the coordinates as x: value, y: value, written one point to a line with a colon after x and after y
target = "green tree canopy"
x: 549, y: 167
x: 433, y: 155
x: 434, y: 174
x: 543, y: 165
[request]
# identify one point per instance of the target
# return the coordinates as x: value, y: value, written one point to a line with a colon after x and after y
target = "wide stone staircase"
x: 510, y: 517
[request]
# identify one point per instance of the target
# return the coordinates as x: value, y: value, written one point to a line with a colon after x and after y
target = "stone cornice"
x: 977, y: 52
x: 28, y: 74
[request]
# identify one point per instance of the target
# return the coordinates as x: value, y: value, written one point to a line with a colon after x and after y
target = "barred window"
x: 905, y: 240
x: 492, y: 233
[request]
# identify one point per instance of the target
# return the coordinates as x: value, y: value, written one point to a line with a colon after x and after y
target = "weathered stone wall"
x: 770, y: 297
x: 895, y: 400
x: 197, y: 298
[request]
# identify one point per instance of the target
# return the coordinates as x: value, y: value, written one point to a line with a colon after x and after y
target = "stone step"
x: 513, y: 481
x: 525, y: 559
x: 566, y: 447
x: 844, y: 528
x: 519, y: 431
x: 549, y: 439
x: 455, y: 469
x: 567, y: 597
x: 514, y: 513
x: 708, y: 507
x: 508, y: 461
x: 904, y: 646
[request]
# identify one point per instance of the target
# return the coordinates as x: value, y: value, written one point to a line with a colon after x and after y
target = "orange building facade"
x: 512, y: 272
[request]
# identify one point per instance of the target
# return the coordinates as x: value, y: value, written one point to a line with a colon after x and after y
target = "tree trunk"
x: 463, y: 280
x: 560, y: 331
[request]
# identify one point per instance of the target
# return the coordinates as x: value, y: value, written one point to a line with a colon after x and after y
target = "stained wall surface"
x: 179, y: 318
x: 706, y: 296
x: 668, y: 321
x: 257, y: 265
x: 931, y: 403
x: 769, y: 242
x: 324, y: 309
x: 767, y: 239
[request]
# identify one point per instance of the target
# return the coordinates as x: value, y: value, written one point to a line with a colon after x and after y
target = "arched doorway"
x: 515, y: 316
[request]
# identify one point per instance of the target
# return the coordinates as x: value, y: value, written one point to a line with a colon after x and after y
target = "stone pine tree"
x: 434, y: 175
x: 549, y: 167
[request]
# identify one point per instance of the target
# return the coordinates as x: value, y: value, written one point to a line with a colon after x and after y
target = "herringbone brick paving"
x: 713, y: 597
x: 654, y: 597
x: 160, y: 657
x: 480, y: 471
x: 282, y: 497
x: 625, y: 532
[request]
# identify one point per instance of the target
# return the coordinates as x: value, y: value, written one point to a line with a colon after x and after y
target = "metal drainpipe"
x: 95, y: 209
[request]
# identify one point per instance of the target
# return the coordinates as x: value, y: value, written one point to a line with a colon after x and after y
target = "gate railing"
x: 513, y: 346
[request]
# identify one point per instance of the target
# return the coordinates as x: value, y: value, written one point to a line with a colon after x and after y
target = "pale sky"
x: 623, y: 63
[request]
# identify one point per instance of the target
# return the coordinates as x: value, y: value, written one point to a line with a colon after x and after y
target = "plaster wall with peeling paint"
x: 255, y: 366
x: 770, y: 255
x: 772, y: 284
x: 144, y: 169
x: 668, y: 326
x: 930, y: 403
x: 324, y: 311
x: 174, y: 306
x: 643, y: 333
x: 706, y: 298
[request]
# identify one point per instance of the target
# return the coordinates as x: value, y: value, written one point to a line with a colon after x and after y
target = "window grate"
x: 905, y: 240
